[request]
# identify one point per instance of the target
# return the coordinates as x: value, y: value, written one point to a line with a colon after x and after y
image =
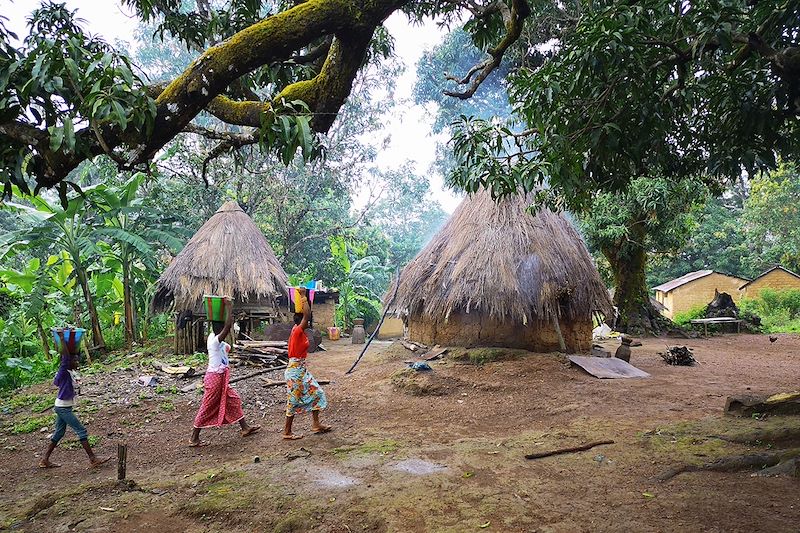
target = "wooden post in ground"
x: 122, y: 461
x: 561, y: 344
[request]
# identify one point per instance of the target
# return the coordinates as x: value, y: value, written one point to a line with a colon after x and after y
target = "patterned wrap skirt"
x: 221, y: 405
x: 303, y: 393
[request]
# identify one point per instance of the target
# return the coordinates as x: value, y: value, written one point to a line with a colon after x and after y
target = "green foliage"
x: 685, y: 318
x: 60, y: 78
x: 772, y: 218
x: 29, y: 424
x: 660, y: 209
x: 357, y: 295
x: 779, y: 310
x: 643, y: 88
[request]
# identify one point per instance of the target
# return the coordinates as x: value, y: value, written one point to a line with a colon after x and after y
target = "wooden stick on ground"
x: 572, y: 449
x: 254, y: 374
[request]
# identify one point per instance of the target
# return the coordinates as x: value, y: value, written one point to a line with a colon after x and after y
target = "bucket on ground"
x: 334, y: 333
x: 72, y: 336
x: 216, y: 310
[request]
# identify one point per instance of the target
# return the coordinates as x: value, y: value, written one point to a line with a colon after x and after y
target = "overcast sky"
x: 409, y: 127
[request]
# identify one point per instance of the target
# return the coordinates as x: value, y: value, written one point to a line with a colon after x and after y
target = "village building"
x: 228, y: 256
x: 497, y: 275
x: 695, y: 289
x: 776, y: 278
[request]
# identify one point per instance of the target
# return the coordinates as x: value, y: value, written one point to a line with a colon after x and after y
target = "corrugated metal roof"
x: 683, y: 280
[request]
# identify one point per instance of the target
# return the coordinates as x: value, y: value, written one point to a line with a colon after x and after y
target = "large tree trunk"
x: 97, y: 334
x: 130, y: 319
x: 636, y: 315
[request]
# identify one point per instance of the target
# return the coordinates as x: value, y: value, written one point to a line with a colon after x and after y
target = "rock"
x: 778, y: 404
x: 624, y: 351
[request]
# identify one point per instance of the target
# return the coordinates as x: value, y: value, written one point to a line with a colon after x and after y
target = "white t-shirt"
x: 217, y: 354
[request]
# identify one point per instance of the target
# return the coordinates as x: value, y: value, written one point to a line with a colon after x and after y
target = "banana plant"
x: 135, y: 233
x: 53, y: 228
x: 357, y: 296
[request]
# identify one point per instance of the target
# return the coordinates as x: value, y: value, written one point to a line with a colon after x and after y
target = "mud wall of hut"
x: 471, y: 330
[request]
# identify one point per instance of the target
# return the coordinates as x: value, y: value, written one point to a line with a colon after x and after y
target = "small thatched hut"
x: 495, y: 275
x: 227, y: 256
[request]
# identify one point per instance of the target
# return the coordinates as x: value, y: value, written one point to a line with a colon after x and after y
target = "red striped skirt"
x: 221, y: 405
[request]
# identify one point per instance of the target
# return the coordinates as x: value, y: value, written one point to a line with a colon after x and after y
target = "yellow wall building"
x: 777, y: 278
x: 695, y: 289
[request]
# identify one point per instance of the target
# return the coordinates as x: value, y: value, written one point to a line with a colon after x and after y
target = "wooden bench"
x: 720, y: 320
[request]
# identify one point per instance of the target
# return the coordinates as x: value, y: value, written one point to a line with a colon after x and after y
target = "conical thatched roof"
x: 227, y: 256
x: 499, y: 260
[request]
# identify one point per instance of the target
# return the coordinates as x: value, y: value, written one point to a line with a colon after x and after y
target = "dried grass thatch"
x: 227, y: 256
x: 497, y: 259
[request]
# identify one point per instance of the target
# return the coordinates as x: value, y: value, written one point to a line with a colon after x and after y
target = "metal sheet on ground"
x: 607, y: 367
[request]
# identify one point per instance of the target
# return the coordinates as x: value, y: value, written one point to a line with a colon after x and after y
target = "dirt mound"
x: 430, y: 383
x: 481, y: 356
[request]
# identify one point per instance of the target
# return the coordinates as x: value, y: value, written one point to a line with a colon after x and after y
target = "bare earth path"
x: 437, y: 452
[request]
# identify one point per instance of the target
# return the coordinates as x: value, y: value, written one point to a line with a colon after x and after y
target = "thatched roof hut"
x: 495, y: 275
x: 227, y: 256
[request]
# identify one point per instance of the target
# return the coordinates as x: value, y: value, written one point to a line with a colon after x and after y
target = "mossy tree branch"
x: 335, y: 36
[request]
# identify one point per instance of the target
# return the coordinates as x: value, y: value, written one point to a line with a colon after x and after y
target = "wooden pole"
x: 561, y: 344
x: 122, y: 461
x: 86, y: 351
x: 375, y: 333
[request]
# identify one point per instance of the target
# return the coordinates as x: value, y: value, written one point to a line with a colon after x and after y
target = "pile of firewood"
x: 260, y: 353
x: 678, y: 356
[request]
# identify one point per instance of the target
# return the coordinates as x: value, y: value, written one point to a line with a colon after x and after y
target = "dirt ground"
x: 440, y: 451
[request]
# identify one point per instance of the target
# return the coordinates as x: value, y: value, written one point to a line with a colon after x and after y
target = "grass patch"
x: 482, y: 356
x: 703, y: 440
x: 29, y: 424
x: 228, y: 492
x: 36, y: 402
x: 167, y: 405
x: 87, y: 407
x: 74, y: 444
x: 381, y: 447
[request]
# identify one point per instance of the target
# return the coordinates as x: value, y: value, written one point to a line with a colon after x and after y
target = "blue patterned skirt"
x: 303, y: 393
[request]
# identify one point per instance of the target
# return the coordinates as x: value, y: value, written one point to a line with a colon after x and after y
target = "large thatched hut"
x: 496, y: 275
x: 227, y: 256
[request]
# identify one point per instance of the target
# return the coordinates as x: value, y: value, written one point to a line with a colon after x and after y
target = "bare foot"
x: 292, y: 436
x: 97, y: 461
x: 197, y: 443
x: 250, y: 430
x: 47, y: 464
x: 322, y: 428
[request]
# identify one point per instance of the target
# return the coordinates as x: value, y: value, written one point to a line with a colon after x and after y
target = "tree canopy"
x: 275, y: 71
x: 630, y: 89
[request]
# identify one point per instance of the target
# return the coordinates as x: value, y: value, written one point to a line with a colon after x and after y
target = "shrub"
x: 685, y: 318
x: 779, y: 310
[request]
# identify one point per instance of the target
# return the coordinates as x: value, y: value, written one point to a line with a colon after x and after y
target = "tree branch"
x: 269, y: 41
x: 513, y: 19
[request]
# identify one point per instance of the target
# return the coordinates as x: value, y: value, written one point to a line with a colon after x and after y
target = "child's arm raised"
x: 228, y: 321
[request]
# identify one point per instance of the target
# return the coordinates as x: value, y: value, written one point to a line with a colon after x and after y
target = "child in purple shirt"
x: 65, y: 380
